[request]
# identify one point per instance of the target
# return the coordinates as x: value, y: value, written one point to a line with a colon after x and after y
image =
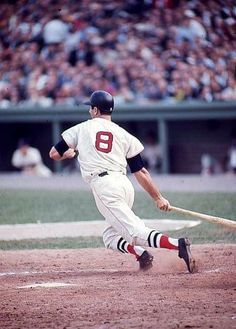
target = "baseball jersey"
x: 102, y: 145
x: 31, y: 158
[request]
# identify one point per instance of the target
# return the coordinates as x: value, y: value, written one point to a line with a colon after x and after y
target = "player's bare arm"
x: 62, y: 151
x: 145, y: 180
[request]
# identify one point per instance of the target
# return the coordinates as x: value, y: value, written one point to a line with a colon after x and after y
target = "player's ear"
x: 96, y: 110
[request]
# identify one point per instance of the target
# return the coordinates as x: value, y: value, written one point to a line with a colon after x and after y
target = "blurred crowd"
x: 58, y: 52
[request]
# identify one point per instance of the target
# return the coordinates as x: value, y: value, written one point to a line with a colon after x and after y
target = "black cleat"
x: 185, y: 253
x: 145, y: 261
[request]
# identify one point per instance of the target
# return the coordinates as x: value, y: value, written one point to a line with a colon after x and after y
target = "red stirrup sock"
x: 168, y: 243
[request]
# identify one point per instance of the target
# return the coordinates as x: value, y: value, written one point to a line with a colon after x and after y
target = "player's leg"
x: 155, y: 238
x: 159, y: 240
x: 114, y: 196
x: 116, y: 210
x: 114, y: 241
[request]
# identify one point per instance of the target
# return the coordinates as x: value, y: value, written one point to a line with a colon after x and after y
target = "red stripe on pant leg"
x: 164, y: 243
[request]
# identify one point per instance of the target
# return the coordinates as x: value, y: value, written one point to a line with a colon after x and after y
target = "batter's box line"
x: 58, y: 272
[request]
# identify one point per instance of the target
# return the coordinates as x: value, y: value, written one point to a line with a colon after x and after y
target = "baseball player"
x: 104, y: 150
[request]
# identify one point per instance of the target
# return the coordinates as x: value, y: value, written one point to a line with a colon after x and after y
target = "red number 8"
x: 104, y: 141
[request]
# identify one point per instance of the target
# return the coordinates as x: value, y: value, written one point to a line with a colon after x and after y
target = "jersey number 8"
x: 104, y: 141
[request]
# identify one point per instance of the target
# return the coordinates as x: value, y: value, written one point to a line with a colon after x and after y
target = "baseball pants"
x: 114, y: 197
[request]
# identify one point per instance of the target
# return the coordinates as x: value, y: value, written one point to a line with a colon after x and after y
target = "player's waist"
x: 103, y: 173
x: 111, y: 172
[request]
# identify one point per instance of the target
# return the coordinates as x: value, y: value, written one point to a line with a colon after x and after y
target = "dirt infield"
x: 105, y: 290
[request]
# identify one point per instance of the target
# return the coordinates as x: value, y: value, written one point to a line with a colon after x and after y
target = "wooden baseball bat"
x: 218, y: 220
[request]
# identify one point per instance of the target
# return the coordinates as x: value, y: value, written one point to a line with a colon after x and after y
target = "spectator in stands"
x: 55, y: 31
x: 53, y: 53
x: 29, y: 161
x: 229, y: 93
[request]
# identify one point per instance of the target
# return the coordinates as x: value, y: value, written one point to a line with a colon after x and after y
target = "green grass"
x: 59, y: 206
x: 204, y: 233
x: 18, y: 207
x: 56, y: 243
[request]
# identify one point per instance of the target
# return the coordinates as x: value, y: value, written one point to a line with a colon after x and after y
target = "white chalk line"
x: 217, y: 270
x: 25, y: 273
x: 85, y: 271
x: 48, y: 285
x: 53, y: 284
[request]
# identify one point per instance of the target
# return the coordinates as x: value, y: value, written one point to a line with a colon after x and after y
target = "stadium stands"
x: 57, y: 52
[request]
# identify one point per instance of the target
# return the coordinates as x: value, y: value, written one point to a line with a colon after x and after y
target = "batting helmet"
x: 102, y: 100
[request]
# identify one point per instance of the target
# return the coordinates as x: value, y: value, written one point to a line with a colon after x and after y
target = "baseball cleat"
x: 145, y: 261
x: 185, y: 253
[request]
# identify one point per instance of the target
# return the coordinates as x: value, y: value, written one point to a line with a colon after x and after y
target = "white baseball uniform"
x: 103, y: 146
x: 32, y: 157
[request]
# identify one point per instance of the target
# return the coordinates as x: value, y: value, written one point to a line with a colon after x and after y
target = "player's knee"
x: 140, y: 236
x: 108, y: 237
x: 106, y: 241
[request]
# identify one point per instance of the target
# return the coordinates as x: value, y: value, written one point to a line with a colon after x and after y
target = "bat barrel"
x: 218, y: 220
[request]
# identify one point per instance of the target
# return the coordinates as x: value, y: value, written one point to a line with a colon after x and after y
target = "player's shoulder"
x: 125, y: 132
x: 130, y: 138
x: 115, y: 125
x: 120, y: 130
x: 81, y: 125
x: 104, y: 123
